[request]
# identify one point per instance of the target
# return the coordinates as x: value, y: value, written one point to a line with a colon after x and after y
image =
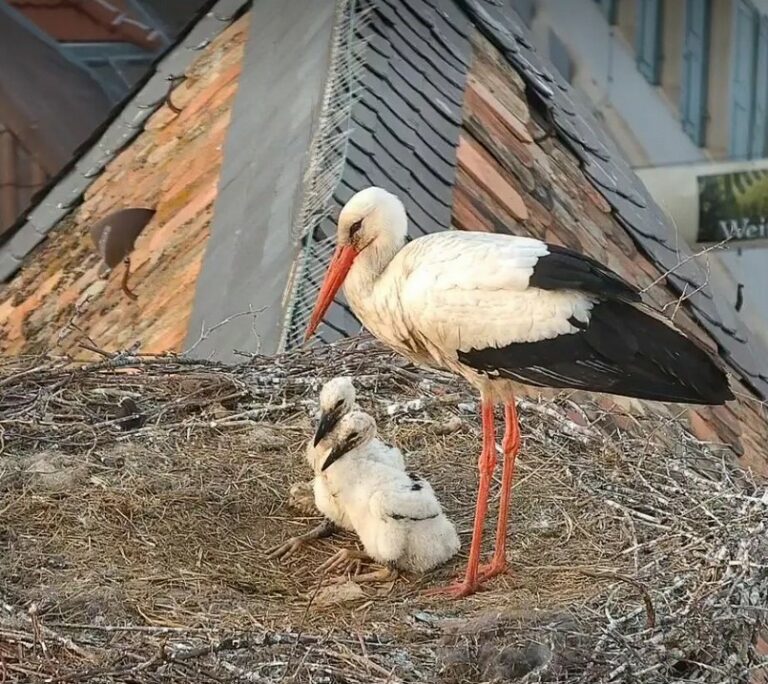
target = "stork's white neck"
x: 372, y: 262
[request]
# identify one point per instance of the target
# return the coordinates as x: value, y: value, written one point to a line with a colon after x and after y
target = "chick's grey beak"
x: 328, y: 421
x: 334, y: 456
x: 351, y: 442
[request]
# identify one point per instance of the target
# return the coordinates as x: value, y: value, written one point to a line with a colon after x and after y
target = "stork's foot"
x: 456, y: 590
x: 346, y: 561
x: 493, y: 569
x: 287, y: 549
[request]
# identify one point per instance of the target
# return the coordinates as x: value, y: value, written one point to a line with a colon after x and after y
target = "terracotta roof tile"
x: 478, y: 164
x: 477, y: 96
x: 173, y: 166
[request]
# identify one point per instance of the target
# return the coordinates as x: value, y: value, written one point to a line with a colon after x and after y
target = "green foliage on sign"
x: 733, y: 206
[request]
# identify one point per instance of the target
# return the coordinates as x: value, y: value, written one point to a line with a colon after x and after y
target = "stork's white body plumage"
x: 431, y: 301
x: 396, y: 515
x: 502, y: 310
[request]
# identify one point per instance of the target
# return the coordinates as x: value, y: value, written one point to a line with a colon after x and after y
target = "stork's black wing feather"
x: 621, y: 351
x: 564, y: 269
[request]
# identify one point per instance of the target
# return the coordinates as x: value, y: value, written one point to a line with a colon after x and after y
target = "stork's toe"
x: 490, y: 570
x: 456, y: 590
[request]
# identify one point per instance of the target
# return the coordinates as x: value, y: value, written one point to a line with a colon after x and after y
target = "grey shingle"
x: 24, y: 241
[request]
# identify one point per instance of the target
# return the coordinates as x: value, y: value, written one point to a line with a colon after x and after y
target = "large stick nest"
x: 140, y: 493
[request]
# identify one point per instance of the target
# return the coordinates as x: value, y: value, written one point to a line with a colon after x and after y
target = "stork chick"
x: 337, y: 399
x: 396, y: 514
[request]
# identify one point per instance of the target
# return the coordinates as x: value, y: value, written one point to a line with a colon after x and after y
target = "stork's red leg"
x: 486, y: 464
x: 510, y: 446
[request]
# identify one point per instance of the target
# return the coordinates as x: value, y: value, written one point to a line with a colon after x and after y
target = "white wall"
x: 607, y: 75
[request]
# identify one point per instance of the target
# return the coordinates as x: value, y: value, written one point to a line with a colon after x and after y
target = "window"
x: 116, y: 66
x: 744, y: 42
x: 693, y: 90
x: 749, y: 83
x: 608, y: 8
x: 759, y: 119
x: 648, y: 39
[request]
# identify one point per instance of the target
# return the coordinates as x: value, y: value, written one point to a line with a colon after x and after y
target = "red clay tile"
x: 478, y: 98
x: 173, y: 168
x: 481, y: 168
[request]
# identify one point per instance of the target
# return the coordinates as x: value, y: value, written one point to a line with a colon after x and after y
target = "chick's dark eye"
x: 355, y: 227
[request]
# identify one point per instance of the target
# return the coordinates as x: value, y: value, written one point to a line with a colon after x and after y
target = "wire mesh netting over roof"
x: 139, y: 495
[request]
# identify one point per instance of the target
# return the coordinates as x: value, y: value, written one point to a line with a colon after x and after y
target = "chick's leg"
x: 283, y: 551
x: 347, y: 561
x: 386, y: 573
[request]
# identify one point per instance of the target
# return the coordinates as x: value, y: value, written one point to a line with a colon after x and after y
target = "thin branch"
x: 205, y: 333
x: 684, y: 261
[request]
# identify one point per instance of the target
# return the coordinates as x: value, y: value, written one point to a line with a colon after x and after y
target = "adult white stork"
x: 500, y: 310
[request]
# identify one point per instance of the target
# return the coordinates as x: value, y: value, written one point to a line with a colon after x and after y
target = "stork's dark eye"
x: 339, y: 403
x: 355, y: 227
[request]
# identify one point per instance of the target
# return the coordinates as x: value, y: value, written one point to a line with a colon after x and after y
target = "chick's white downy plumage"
x: 396, y: 514
x: 337, y: 399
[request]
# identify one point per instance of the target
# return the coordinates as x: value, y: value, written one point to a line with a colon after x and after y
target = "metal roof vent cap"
x: 115, y: 235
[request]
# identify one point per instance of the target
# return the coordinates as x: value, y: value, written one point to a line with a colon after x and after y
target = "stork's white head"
x: 354, y: 430
x: 372, y: 218
x: 372, y: 227
x: 337, y: 397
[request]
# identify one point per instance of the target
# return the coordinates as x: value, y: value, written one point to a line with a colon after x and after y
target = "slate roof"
x: 404, y: 131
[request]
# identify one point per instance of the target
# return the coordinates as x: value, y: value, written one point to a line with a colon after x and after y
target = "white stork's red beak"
x: 334, y: 277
